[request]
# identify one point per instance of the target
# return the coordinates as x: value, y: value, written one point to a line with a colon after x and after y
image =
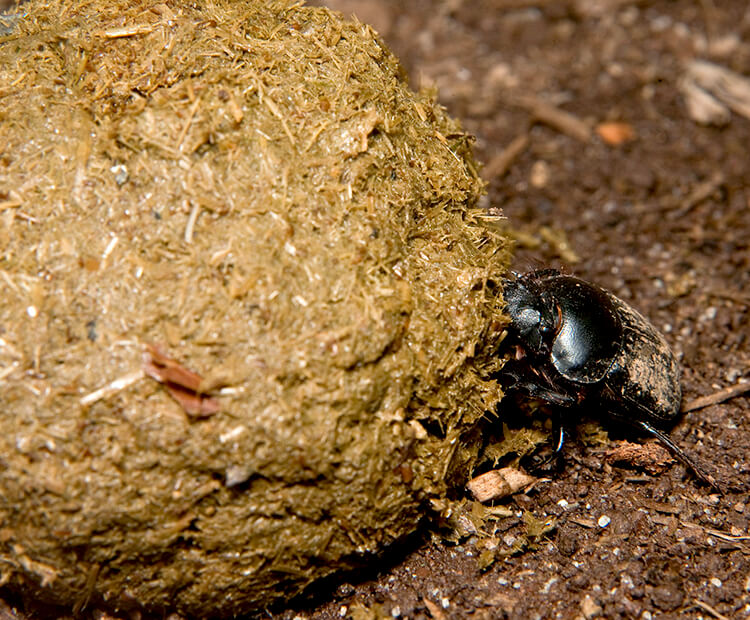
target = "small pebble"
x: 395, y: 611
x: 540, y: 174
x: 715, y: 582
x: 445, y: 602
x: 121, y: 174
x: 590, y: 607
x: 604, y: 521
x: 563, y: 504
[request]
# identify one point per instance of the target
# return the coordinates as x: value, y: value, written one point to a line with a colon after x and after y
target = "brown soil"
x: 663, y: 220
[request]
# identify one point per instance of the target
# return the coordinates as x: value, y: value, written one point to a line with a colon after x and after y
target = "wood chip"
x: 659, y: 506
x: 587, y: 523
x: 183, y: 384
x: 727, y: 86
x: 498, y: 483
x: 702, y: 106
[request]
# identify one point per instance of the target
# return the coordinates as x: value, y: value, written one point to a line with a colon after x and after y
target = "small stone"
x: 590, y: 607
x: 121, y: 174
x: 563, y: 504
x: 548, y: 585
x: 540, y: 174
x: 604, y: 521
x: 715, y: 582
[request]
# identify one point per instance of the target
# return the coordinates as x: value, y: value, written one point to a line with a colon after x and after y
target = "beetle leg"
x: 560, y: 436
x: 679, y: 454
x: 543, y: 393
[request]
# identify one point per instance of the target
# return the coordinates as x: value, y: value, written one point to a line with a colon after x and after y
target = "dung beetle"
x: 578, y: 344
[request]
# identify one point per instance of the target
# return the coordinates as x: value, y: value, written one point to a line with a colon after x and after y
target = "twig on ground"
x: 717, y: 397
x: 706, y: 607
x: 501, y: 163
x: 546, y: 113
x: 700, y: 192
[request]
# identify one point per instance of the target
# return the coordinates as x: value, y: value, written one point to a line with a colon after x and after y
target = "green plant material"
x: 486, y: 559
x: 251, y: 189
x: 516, y: 441
x: 537, y: 529
x: 592, y: 434
x: 360, y: 611
x: 534, y: 536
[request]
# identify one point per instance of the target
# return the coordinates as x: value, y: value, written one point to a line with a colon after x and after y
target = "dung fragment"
x: 652, y: 457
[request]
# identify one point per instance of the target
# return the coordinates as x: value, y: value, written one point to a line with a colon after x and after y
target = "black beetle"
x: 578, y: 344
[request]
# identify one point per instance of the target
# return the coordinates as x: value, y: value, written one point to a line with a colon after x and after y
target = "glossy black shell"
x: 584, y: 342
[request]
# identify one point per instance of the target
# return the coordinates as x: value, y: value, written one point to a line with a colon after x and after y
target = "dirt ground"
x: 654, y: 206
x: 658, y: 212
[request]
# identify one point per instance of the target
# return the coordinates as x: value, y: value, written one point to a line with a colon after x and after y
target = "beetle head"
x: 532, y: 313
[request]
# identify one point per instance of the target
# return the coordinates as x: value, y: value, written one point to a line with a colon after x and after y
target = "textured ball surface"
x: 248, y: 302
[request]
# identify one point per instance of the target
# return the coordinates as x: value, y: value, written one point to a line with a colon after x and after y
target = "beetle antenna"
x: 680, y: 454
